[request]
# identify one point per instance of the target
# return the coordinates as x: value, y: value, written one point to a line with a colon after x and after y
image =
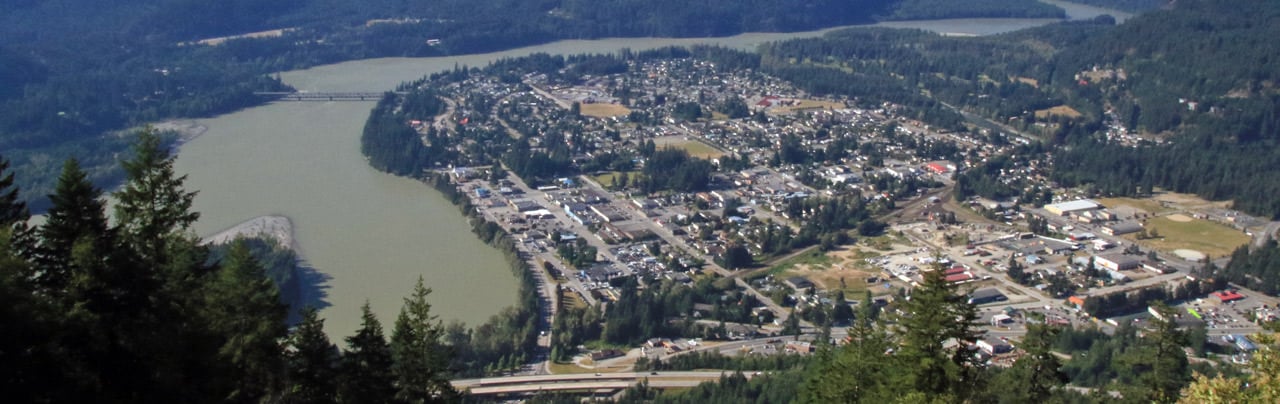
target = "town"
x: 799, y: 207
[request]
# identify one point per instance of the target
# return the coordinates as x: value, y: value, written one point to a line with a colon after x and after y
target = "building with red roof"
x: 1228, y: 296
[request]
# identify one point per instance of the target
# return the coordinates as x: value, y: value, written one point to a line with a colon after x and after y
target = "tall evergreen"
x: 244, y: 309
x: 861, y: 371
x: 1160, y: 363
x: 75, y: 217
x: 421, y: 361
x: 366, y: 365
x: 936, y: 315
x: 153, y: 209
x: 12, y: 208
x: 311, y: 363
x: 1034, y: 377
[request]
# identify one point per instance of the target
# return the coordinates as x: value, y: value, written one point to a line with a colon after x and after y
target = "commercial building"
x: 1117, y: 262
x: 987, y: 295
x: 1121, y: 228
x: 1066, y: 208
x: 994, y: 346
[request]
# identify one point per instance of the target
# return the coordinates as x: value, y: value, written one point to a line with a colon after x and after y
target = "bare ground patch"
x: 602, y: 110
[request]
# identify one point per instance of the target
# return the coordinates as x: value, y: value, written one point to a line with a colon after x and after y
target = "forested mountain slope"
x: 1201, y: 76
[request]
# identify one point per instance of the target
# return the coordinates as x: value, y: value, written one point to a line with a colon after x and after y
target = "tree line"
x: 136, y: 310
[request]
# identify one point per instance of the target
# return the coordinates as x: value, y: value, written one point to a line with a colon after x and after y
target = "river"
x: 374, y: 234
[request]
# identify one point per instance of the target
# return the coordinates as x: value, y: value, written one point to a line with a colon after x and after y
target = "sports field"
x: 1183, y: 232
x: 694, y: 147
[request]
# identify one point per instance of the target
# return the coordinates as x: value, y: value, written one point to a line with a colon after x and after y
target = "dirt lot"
x: 604, y: 110
x: 807, y: 104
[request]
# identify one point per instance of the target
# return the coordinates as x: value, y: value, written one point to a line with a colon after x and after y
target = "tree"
x: 12, y: 208
x: 75, y: 218
x: 1033, y: 378
x: 366, y: 365
x: 311, y: 364
x: 859, y: 371
x: 243, y: 308
x: 1263, y: 385
x: 1160, y: 363
x: 421, y: 361
x: 935, y: 313
x: 152, y: 209
x: 737, y: 256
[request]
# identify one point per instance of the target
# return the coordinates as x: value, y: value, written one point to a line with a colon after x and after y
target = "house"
x: 800, y: 346
x: 961, y: 277
x: 1117, y: 262
x: 1000, y: 319
x: 994, y: 346
x: 1122, y: 228
x: 798, y: 283
x: 1157, y: 267
x: 1077, y: 301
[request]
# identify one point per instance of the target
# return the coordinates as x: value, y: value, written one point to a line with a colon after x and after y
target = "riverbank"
x: 277, y: 228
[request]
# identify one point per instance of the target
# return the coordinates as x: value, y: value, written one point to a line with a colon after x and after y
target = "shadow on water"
x: 311, y: 289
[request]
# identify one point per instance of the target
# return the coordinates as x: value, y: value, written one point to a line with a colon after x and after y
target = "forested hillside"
x: 1202, y: 78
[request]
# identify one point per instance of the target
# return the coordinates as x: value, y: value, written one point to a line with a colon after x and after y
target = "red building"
x: 1228, y: 296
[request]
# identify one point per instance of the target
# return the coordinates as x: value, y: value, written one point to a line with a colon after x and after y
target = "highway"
x: 585, y: 381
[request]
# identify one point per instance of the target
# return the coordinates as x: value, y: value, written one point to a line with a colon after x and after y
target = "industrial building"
x: 1066, y: 208
x: 1117, y: 262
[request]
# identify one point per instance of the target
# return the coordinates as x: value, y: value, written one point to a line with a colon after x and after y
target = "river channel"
x: 374, y: 234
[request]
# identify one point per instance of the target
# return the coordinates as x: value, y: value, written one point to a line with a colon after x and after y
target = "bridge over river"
x: 323, y: 96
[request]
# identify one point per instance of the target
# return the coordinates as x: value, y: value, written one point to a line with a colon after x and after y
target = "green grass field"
x: 1204, y: 236
x: 695, y: 148
x: 606, y: 179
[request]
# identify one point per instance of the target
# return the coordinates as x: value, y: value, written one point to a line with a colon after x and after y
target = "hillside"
x: 1199, y: 79
x: 71, y: 70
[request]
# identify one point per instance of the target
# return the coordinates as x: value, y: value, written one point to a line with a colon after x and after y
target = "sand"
x: 275, y: 227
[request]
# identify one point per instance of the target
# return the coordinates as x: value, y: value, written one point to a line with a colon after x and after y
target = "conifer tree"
x: 74, y: 217
x: 935, y: 314
x: 1160, y: 363
x: 311, y: 363
x: 366, y: 365
x: 1033, y: 378
x: 153, y: 210
x: 421, y: 361
x: 12, y: 208
x: 244, y: 309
